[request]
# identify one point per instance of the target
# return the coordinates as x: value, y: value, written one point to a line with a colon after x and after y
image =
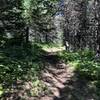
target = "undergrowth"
x: 25, y: 63
x: 21, y: 63
x: 85, y: 65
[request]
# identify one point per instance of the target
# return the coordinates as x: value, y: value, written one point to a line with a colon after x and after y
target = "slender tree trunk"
x: 66, y: 25
x: 97, y: 17
x: 46, y: 37
x: 66, y: 38
x: 27, y: 34
x: 83, y: 24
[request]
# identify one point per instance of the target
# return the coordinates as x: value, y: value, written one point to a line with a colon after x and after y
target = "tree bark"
x: 27, y: 34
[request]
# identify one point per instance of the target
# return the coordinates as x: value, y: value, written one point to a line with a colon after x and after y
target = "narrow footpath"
x: 63, y: 82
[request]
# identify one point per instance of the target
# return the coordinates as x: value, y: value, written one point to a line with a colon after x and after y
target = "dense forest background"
x: 74, y: 23
x: 49, y: 47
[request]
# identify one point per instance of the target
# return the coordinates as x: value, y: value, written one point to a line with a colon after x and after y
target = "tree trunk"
x: 27, y: 34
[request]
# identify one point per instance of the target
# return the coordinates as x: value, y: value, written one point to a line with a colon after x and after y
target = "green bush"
x: 20, y: 63
x: 84, y: 63
x: 69, y: 56
x: 89, y: 69
x: 87, y: 54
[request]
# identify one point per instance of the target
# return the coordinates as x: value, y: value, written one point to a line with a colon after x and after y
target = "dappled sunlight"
x: 42, y: 75
x: 19, y: 71
x: 65, y: 81
x: 56, y: 76
x: 53, y: 49
x: 49, y: 50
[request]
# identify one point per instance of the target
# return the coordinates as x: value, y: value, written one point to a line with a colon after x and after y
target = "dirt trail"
x: 54, y: 49
x: 64, y: 83
x: 55, y: 78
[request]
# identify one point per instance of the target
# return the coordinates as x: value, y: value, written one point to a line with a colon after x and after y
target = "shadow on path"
x: 64, y: 83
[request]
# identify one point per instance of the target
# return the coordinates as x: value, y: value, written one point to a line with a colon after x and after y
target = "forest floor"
x: 62, y: 81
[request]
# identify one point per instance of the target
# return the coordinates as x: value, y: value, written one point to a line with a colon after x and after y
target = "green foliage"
x: 40, y: 17
x: 11, y: 21
x: 69, y: 56
x: 89, y: 69
x: 20, y: 63
x: 87, y: 54
x: 76, y: 56
x: 37, y: 51
x: 1, y: 90
x: 85, y: 65
x: 39, y: 87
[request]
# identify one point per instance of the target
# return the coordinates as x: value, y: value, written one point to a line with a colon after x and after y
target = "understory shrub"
x: 20, y: 63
